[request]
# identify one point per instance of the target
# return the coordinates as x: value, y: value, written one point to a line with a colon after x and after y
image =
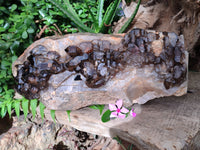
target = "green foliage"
x: 70, y: 12
x: 109, y: 15
x: 68, y: 114
x: 100, y: 12
x: 18, y: 104
x: 53, y: 115
x: 106, y: 116
x: 22, y: 20
x: 33, y: 105
x: 101, y: 21
x: 92, y: 12
x: 6, y: 94
x: 25, y: 107
x: 17, y: 108
x: 99, y: 107
x: 9, y: 108
x: 42, y: 107
x: 125, y: 26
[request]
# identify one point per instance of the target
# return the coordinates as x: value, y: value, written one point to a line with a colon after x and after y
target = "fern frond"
x: 33, y: 105
x: 17, y: 107
x: 3, y: 110
x: 42, y: 107
x: 25, y: 107
x: 9, y: 107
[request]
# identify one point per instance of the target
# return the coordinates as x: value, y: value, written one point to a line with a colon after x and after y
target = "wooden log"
x: 170, y: 123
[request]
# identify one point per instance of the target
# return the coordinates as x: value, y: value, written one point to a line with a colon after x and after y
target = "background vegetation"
x: 24, y: 21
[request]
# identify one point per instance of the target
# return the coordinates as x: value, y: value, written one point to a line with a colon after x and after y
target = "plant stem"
x: 124, y: 27
x: 109, y: 15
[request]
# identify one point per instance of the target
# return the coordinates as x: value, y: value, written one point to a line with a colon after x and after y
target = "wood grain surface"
x: 170, y: 123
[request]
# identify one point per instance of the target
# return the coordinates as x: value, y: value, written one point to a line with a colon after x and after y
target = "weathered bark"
x: 43, y: 135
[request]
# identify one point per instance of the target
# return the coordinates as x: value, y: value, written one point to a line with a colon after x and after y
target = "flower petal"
x: 133, y: 114
x: 112, y: 107
x: 119, y: 103
x: 113, y: 114
x: 122, y: 116
x: 124, y: 110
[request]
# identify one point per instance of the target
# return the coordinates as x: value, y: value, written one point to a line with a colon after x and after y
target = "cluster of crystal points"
x: 98, y: 62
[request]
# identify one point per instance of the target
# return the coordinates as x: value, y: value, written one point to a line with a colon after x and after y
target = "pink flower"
x: 133, y: 114
x: 118, y: 110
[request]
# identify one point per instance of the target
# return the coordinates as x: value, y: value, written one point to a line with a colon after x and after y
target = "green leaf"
x: 12, y: 29
x: 34, y: 1
x: 6, y: 26
x: 33, y: 105
x: 14, y: 58
x: 14, y: 46
x: 2, y: 29
x: 124, y: 27
x: 42, y: 107
x: 3, y: 74
x: 9, y: 107
x: 106, y: 116
x: 68, y: 114
x: 30, y: 30
x: 3, y: 110
x: 24, y: 35
x: 71, y: 9
x: 4, y: 64
x: 109, y: 15
x: 7, y: 36
x: 53, y: 115
x: 1, y: 21
x: 28, y: 21
x: 17, y: 107
x: 100, y: 11
x: 49, y: 20
x: 13, y: 7
x: 42, y: 13
x: 25, y: 103
x: 4, y: 45
x: 3, y: 9
x: 99, y: 107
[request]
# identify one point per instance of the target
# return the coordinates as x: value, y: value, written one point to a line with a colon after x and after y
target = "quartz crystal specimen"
x: 77, y: 70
